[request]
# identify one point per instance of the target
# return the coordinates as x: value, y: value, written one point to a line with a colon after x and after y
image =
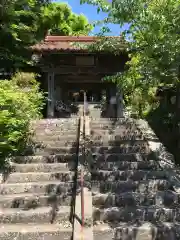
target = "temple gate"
x: 68, y: 71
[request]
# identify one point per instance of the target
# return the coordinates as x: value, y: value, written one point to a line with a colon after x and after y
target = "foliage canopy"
x: 20, y: 102
x: 154, y: 43
x: 24, y: 22
x: 59, y: 19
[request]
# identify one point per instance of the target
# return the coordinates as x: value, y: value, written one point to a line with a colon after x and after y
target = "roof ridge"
x: 65, y: 43
x: 53, y: 38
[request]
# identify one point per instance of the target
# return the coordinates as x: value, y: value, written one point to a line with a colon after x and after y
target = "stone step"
x: 58, y: 122
x: 100, y: 159
x: 53, y: 121
x: 57, y: 127
x: 126, y: 186
x: 111, y: 149
x: 36, y: 188
x: 116, y: 132
x: 134, y: 175
x: 111, y: 120
x: 122, y: 143
x: 150, y: 213
x: 120, y: 157
x: 56, y: 132
x: 63, y: 132
x: 58, y: 158
x: 106, y: 128
x: 103, y: 231
x: 48, y: 138
x: 138, y: 231
x: 73, y: 123
x: 36, y: 231
x: 117, y: 138
x: 46, y: 232
x: 59, y: 216
x: 54, y: 144
x: 29, y: 200
x: 42, y: 167
x: 38, y: 215
x: 63, y: 176
x: 54, y: 150
x: 160, y: 198
x: 125, y: 165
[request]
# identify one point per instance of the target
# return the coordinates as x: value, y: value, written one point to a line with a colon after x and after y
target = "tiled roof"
x: 64, y: 43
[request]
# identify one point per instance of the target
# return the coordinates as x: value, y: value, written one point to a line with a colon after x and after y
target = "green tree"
x: 18, y: 29
x: 154, y: 43
x: 59, y: 19
x: 20, y: 102
x: 24, y: 22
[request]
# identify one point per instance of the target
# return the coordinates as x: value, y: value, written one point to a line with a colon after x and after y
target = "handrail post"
x: 82, y: 169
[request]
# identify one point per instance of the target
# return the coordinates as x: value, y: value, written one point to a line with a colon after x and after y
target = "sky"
x: 91, y: 13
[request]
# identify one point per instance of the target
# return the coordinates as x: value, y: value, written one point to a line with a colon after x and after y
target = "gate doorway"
x: 78, y: 95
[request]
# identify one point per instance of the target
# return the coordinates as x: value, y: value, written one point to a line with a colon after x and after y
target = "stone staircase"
x: 128, y: 195
x: 133, y: 197
x: 36, y: 197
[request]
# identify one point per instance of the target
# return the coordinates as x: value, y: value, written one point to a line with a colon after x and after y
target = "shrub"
x: 20, y: 102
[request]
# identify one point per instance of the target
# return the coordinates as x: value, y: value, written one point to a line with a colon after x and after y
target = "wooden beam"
x: 82, y: 81
x: 80, y: 70
x: 50, y: 108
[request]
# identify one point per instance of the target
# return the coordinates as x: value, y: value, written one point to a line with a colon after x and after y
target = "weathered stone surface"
x: 136, y: 148
x: 57, y: 158
x: 113, y: 157
x: 54, y: 150
x: 29, y: 200
x: 167, y: 199
x: 147, y: 231
x: 42, y: 167
x: 135, y: 175
x: 120, y: 143
x: 131, y: 192
x: 123, y: 199
x: 130, y: 184
x: 123, y: 165
x: 132, y: 214
x: 37, y: 187
x: 38, y: 215
x: 35, y: 232
x: 58, y: 143
x: 135, y: 186
x: 49, y: 133
x: 46, y: 138
x: 27, y: 177
x: 165, y: 159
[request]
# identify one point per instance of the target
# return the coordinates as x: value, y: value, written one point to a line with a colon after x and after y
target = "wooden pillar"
x: 50, y: 109
x: 120, y: 107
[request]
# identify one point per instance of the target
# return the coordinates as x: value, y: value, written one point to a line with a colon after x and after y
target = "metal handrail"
x: 82, y: 170
x: 74, y: 191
